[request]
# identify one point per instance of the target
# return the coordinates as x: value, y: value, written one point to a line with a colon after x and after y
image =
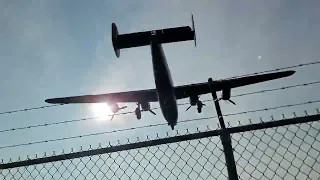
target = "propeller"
x: 152, y: 112
x: 112, y: 116
x: 232, y: 102
x: 229, y: 100
x: 202, y: 103
x: 123, y: 107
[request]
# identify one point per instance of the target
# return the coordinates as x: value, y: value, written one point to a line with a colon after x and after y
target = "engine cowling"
x: 193, y: 100
x: 114, y: 108
x: 226, y: 94
x: 145, y: 106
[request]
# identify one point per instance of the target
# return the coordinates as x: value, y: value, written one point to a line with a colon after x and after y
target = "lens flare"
x: 101, y: 110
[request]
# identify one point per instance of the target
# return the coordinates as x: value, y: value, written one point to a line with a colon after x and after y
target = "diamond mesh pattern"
x: 289, y: 152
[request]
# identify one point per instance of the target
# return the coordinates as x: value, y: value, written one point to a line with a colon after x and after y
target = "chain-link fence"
x: 288, y: 152
x: 269, y: 151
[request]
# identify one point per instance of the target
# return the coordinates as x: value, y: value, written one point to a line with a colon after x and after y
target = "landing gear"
x: 199, y: 109
x: 194, y: 101
x: 138, y: 113
x: 143, y: 106
x: 199, y: 106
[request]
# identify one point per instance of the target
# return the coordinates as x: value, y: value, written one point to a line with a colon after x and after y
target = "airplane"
x: 164, y: 92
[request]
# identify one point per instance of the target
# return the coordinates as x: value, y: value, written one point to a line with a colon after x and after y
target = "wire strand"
x: 189, y: 120
x: 85, y: 119
x: 284, y: 68
x: 278, y: 69
x: 29, y: 109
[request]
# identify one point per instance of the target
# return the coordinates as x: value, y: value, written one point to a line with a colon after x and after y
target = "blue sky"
x: 61, y: 48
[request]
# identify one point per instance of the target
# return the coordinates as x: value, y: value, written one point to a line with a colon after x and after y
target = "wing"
x: 186, y: 91
x: 181, y: 92
x: 148, y: 95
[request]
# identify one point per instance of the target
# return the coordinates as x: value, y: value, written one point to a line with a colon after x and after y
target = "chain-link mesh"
x: 196, y: 159
x: 288, y: 152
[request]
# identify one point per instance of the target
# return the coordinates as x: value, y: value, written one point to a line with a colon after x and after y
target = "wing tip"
x: 52, y: 101
x: 289, y: 73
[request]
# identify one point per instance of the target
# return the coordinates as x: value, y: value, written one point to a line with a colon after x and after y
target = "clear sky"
x: 63, y: 48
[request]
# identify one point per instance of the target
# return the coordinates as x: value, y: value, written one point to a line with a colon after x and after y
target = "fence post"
x: 225, y: 138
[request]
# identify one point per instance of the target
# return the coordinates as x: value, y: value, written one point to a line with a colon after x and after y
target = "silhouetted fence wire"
x: 250, y: 74
x: 283, y: 149
x: 152, y: 125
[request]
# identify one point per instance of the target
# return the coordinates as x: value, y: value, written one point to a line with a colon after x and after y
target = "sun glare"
x: 101, y: 110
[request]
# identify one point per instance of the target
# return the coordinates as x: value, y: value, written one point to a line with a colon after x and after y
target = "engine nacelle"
x: 114, y: 108
x: 226, y: 94
x: 145, y: 106
x: 193, y: 100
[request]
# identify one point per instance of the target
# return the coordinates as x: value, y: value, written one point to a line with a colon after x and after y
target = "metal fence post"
x: 225, y: 138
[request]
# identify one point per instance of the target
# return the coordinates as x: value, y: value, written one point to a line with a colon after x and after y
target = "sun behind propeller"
x: 116, y: 110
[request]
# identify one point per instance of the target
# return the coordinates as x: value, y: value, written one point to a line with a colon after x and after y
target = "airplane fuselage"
x: 164, y: 84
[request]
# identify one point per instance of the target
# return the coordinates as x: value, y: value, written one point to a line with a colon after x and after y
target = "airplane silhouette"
x: 165, y: 92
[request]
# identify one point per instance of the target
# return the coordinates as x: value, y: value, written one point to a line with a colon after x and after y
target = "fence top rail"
x: 159, y: 141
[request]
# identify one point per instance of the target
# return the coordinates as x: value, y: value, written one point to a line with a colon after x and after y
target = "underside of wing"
x: 203, y: 88
x: 149, y: 95
x: 181, y: 92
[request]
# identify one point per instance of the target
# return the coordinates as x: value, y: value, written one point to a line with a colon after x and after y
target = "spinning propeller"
x: 123, y: 107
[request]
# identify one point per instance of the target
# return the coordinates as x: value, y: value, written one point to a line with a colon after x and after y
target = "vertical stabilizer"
x: 194, y: 30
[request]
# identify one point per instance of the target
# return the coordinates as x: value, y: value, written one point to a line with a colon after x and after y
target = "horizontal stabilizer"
x: 168, y: 35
